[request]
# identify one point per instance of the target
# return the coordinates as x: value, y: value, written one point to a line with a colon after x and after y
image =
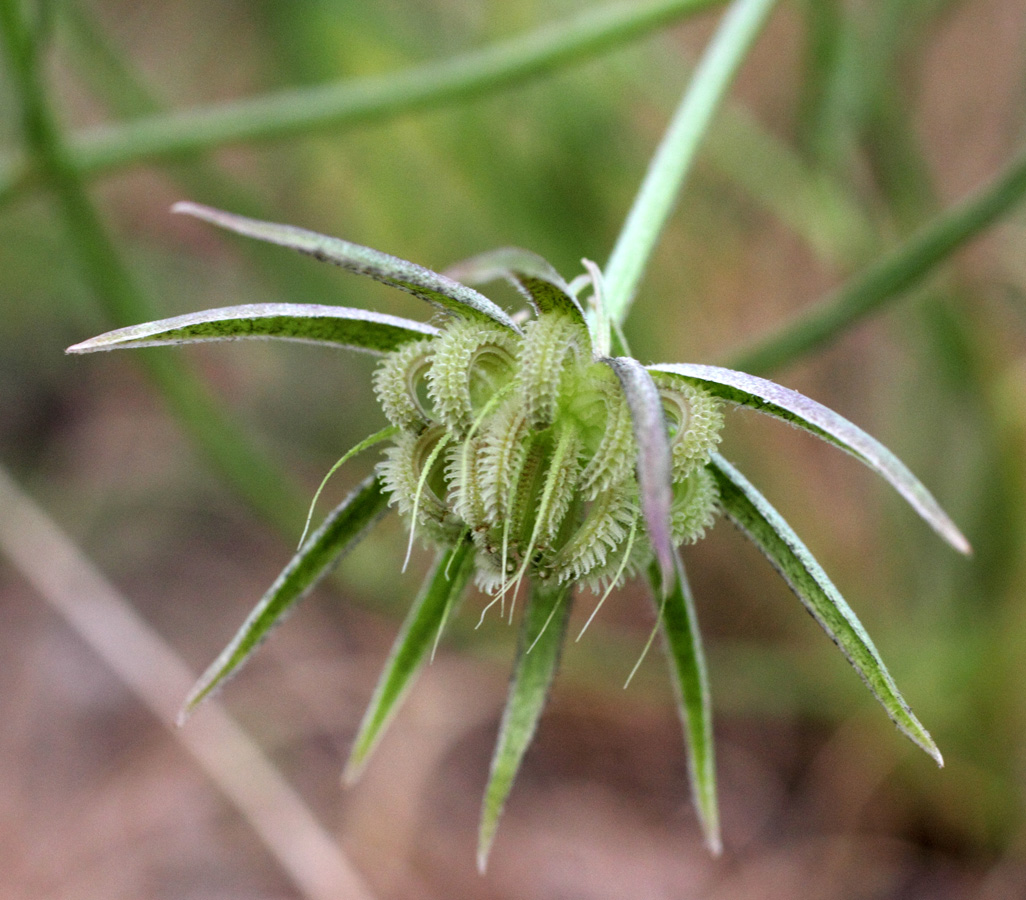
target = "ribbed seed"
x: 396, y: 384
x: 470, y: 360
x: 547, y: 342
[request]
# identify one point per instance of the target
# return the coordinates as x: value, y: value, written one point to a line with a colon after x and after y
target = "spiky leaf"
x: 655, y: 459
x: 797, y: 409
x: 440, y: 593
x: 407, y: 276
x: 683, y: 646
x: 542, y: 286
x: 308, y: 323
x: 766, y: 528
x: 541, y: 638
x: 337, y: 534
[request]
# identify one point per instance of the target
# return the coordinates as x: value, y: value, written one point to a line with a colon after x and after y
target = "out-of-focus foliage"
x: 852, y: 125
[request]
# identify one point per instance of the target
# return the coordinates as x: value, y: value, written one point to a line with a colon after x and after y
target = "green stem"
x: 299, y: 111
x: 255, y: 478
x: 888, y: 278
x: 669, y: 167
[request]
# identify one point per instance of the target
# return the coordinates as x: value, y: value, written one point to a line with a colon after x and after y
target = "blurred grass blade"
x: 123, y: 299
x: 765, y: 527
x: 538, y: 647
x: 797, y: 409
x: 398, y: 273
x: 541, y: 285
x: 309, y: 323
x: 669, y: 168
x: 683, y: 645
x: 441, y: 591
x: 655, y: 461
x: 337, y: 534
x: 890, y: 276
x: 317, y: 108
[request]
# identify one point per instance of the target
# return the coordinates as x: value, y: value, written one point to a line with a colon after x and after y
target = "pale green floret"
x: 400, y: 385
x: 401, y: 472
x: 471, y: 362
x: 693, y: 509
x: 607, y: 421
x: 694, y: 418
x: 548, y: 343
x: 531, y: 450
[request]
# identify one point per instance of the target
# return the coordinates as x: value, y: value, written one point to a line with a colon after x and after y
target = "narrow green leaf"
x: 338, y: 104
x: 541, y: 285
x: 683, y: 646
x: 398, y: 273
x: 308, y: 323
x: 892, y: 275
x: 538, y: 647
x: 797, y: 409
x: 441, y: 591
x: 655, y: 461
x: 669, y: 167
x: 338, y: 533
x: 766, y: 528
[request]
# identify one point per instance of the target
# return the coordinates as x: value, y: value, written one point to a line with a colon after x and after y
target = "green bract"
x: 527, y: 453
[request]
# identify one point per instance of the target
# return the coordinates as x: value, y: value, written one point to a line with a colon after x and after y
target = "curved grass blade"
x: 655, y: 462
x: 338, y: 533
x: 684, y: 653
x: 441, y: 591
x: 538, y: 646
x: 542, y: 286
x: 766, y: 528
x: 407, y: 276
x: 797, y: 409
x: 308, y: 323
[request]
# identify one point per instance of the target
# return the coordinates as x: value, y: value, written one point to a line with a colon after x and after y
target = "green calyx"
x: 525, y: 442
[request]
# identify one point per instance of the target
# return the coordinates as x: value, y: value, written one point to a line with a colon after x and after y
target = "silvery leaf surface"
x: 391, y: 270
x: 542, y: 286
x: 766, y: 528
x: 542, y: 630
x: 441, y: 591
x: 323, y: 549
x: 769, y: 397
x: 686, y: 657
x: 655, y: 460
x: 308, y: 323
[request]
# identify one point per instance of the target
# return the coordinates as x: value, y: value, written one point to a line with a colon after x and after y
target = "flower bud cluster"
x: 525, y: 443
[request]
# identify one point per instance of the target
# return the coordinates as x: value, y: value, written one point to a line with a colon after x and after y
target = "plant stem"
x: 291, y: 112
x: 888, y: 278
x: 669, y: 167
x: 114, y: 286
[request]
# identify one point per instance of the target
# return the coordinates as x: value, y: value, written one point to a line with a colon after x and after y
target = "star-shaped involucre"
x: 527, y: 452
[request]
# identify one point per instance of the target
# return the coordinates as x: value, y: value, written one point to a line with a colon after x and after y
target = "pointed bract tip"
x: 482, y: 860
x: 714, y: 843
x: 187, y: 207
x: 960, y: 543
x: 352, y: 772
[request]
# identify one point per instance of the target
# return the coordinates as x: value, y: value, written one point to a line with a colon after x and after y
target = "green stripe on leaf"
x: 441, y: 592
x: 797, y: 409
x: 338, y: 533
x: 684, y: 653
x: 398, y: 273
x: 766, y: 528
x: 540, y: 284
x: 541, y: 638
x: 308, y: 323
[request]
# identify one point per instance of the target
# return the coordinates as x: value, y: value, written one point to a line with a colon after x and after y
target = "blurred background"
x: 851, y: 125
